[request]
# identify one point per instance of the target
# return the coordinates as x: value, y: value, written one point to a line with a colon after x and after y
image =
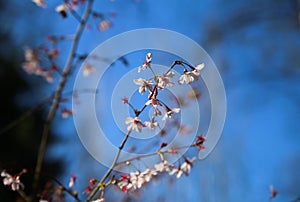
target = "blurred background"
x: 256, y: 47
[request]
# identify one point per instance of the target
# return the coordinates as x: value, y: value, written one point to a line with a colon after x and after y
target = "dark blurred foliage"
x: 19, y: 144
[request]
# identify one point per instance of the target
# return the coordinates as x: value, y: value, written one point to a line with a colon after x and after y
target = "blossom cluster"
x: 153, y: 86
x: 135, y: 180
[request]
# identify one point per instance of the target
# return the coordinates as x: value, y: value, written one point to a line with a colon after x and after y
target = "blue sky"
x: 256, y: 49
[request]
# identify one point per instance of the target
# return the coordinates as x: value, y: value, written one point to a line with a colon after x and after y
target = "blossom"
x: 187, y: 77
x: 190, y: 76
x: 104, y: 25
x: 65, y: 113
x: 48, y: 76
x: 273, y: 192
x: 170, y: 112
x: 163, y: 166
x: 151, y: 124
x: 13, y: 181
x: 125, y: 183
x: 155, y: 103
x: 146, y: 63
x: 187, y: 165
x: 32, y: 67
x: 31, y: 64
x: 198, y: 69
x: 184, y: 168
x: 176, y: 170
x: 62, y: 9
x: 152, y: 99
x: 72, y: 181
x: 144, y: 84
x: 40, y: 3
x: 165, y: 80
x: 135, y: 180
x: 88, y: 69
x: 134, y: 124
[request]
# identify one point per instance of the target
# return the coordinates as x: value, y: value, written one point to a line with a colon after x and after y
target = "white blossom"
x: 88, y: 69
x: 134, y: 124
x: 137, y: 180
x: 151, y: 124
x: 14, y: 182
x: 40, y: 3
x: 198, y: 69
x: 187, y: 165
x: 190, y: 76
x: 187, y: 77
x: 170, y: 112
x: 176, y: 170
x: 146, y: 63
x: 163, y: 166
x: 165, y: 80
x: 144, y: 84
x: 62, y: 9
x: 72, y: 181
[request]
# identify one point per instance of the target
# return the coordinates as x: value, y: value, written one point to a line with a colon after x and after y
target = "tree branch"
x: 57, y: 95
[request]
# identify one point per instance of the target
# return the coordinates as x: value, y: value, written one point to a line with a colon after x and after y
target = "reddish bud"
x: 162, y: 145
x: 87, y: 190
x: 53, y: 68
x: 125, y: 100
x: 273, y: 192
x: 124, y: 189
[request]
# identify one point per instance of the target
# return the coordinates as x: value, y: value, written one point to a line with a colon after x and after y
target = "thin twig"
x: 101, y: 182
x: 57, y: 95
x: 64, y: 188
x: 166, y: 151
x: 23, y: 195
